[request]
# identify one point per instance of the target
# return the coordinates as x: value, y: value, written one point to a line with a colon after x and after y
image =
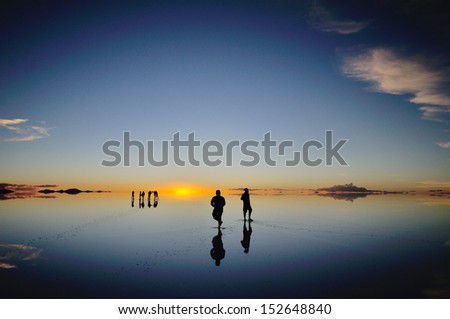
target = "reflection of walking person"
x: 217, y: 252
x: 218, y: 202
x: 245, y: 242
x: 247, y: 207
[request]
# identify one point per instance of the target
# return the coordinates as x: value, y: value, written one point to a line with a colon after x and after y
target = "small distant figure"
x: 217, y: 252
x: 247, y: 207
x: 218, y: 202
x: 149, y: 204
x: 132, y: 199
x: 141, y: 199
x: 155, y: 199
x: 245, y: 242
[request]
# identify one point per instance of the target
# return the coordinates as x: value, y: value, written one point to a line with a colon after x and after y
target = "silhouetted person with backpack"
x: 247, y: 207
x: 218, y: 202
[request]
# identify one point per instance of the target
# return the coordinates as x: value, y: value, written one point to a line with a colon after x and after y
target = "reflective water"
x: 98, y: 246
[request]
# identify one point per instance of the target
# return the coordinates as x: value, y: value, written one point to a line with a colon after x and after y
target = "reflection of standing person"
x: 245, y: 242
x: 217, y: 252
x: 218, y: 202
x: 247, y: 207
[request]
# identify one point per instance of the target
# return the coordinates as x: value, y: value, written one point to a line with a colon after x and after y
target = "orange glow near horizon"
x: 185, y: 190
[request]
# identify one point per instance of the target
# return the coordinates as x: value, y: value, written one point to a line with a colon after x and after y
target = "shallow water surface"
x: 98, y: 246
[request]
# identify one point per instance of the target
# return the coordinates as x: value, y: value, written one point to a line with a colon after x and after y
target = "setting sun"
x: 184, y: 191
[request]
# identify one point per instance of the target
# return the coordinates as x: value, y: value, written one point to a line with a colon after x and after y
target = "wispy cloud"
x: 390, y: 72
x: 324, y: 20
x: 436, y: 113
x: 23, y: 131
x: 13, y: 254
x: 6, y: 122
x: 435, y: 184
x: 444, y: 144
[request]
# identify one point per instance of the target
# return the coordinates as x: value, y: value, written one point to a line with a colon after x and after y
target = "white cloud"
x: 23, y: 131
x: 389, y: 72
x: 6, y: 122
x: 444, y: 144
x: 324, y: 20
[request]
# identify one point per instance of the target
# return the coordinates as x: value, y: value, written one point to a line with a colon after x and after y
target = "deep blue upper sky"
x: 80, y: 74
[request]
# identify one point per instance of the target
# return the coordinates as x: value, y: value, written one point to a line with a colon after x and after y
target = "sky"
x: 376, y: 73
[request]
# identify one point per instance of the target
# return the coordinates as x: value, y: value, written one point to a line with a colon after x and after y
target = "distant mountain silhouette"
x: 70, y: 191
x: 4, y: 191
x: 350, y: 192
x: 347, y: 188
x: 350, y: 197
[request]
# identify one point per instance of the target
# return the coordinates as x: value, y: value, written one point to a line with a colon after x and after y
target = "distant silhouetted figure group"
x: 142, y: 199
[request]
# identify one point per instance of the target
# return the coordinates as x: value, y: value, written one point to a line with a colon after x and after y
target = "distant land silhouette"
x: 353, y: 189
x: 70, y: 191
x: 347, y: 188
x: 15, y: 191
x: 5, y: 191
x: 350, y: 197
x: 350, y: 192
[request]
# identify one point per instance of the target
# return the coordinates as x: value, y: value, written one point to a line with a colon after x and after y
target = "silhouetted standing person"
x: 155, y: 198
x: 245, y: 242
x: 217, y: 252
x: 247, y: 207
x: 218, y: 202
x: 132, y: 199
x: 149, y: 198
